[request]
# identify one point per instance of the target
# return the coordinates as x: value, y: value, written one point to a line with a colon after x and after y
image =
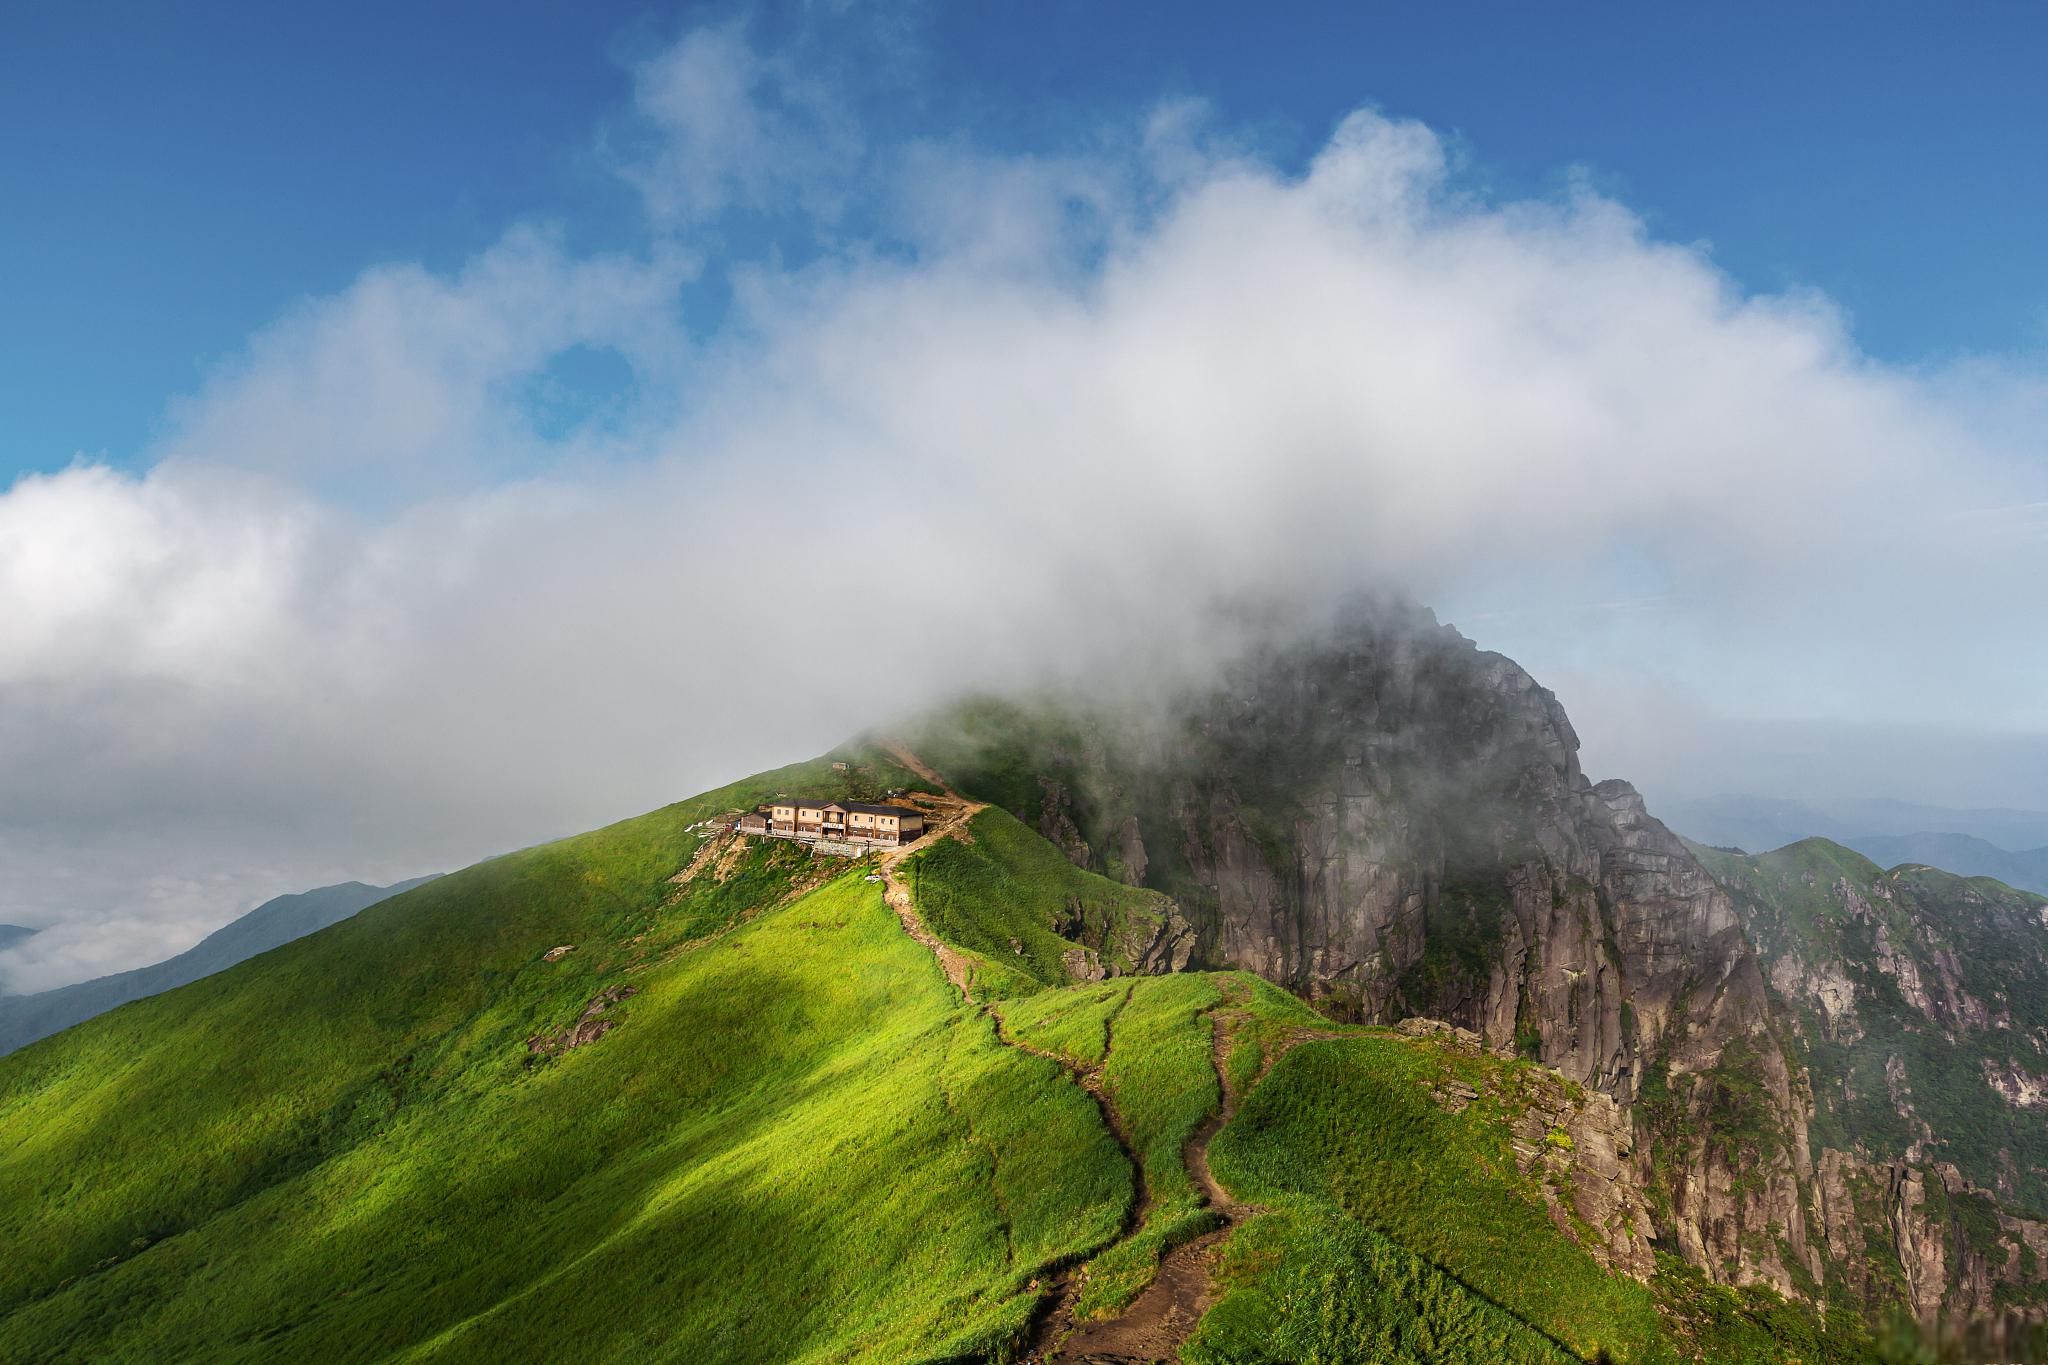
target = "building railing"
x: 810, y: 834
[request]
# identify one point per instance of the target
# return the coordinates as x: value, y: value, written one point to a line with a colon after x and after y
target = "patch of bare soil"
x: 706, y: 852
x: 902, y: 755
x: 954, y: 965
x: 590, y: 1026
x: 719, y: 855
x: 735, y: 849
x: 1154, y: 1327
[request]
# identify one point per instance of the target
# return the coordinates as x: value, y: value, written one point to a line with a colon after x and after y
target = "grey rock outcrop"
x: 1965, y: 1269
x: 1394, y: 823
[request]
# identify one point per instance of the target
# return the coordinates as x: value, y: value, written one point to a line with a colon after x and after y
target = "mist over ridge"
x: 377, y: 602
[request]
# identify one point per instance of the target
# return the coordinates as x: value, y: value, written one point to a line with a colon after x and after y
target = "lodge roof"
x: 864, y: 807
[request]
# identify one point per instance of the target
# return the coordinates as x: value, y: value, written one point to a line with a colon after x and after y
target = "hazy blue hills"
x: 25, y: 1018
x: 1962, y: 854
x: 11, y: 934
x: 1761, y: 823
x: 2011, y: 845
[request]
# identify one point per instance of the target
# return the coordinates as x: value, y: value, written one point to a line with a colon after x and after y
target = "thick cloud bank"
x: 444, y: 564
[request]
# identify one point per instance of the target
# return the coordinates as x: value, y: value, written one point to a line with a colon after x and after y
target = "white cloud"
x: 410, y: 382
x: 738, y: 128
x: 367, y: 617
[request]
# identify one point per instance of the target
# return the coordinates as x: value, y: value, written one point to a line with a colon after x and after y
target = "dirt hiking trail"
x: 1161, y: 1318
x: 946, y: 817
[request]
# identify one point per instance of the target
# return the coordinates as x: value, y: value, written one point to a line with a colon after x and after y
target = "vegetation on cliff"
x: 1007, y: 898
x: 1912, y: 992
x: 1917, y: 1003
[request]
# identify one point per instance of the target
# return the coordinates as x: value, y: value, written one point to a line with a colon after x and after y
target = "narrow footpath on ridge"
x: 1160, y: 1320
x: 946, y: 817
x: 1154, y: 1326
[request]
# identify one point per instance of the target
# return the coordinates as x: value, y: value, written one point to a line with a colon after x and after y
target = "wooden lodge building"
x: 860, y: 823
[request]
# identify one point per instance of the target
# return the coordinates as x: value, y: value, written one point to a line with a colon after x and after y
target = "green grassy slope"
x: 794, y: 1146
x: 1399, y: 1231
x: 1151, y: 1038
x: 1366, y: 1171
x: 1394, y: 1230
x: 1016, y: 906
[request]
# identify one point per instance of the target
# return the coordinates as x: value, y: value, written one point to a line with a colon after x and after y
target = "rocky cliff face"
x: 1136, y: 945
x: 1923, y: 1238
x: 1575, y: 1146
x: 1395, y: 824
x: 1917, y: 1003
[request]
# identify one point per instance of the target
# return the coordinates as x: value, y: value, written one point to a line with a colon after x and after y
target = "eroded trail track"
x: 1056, y: 1323
x: 946, y: 817
x: 1161, y: 1318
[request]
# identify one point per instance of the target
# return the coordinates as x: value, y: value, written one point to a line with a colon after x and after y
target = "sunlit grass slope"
x: 1016, y: 905
x: 1151, y: 1037
x: 1403, y: 1223
x: 795, y: 1144
x: 1394, y: 1231
x: 1312, y: 1279
x: 1399, y: 1231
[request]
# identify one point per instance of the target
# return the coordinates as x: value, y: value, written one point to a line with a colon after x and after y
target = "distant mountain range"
x: 1761, y: 823
x: 11, y: 934
x: 25, y: 1018
x: 1961, y: 854
x: 2011, y: 845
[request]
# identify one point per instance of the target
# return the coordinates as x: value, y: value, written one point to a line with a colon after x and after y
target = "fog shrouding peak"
x: 446, y: 563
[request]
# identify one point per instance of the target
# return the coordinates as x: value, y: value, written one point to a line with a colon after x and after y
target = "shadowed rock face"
x: 1394, y: 823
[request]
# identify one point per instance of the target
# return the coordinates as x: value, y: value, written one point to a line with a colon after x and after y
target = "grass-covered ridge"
x: 1150, y: 1040
x: 796, y: 1142
x: 1021, y: 910
x: 1389, y: 1225
x: 1399, y: 1228
x: 1345, y: 1138
x: 796, y: 1145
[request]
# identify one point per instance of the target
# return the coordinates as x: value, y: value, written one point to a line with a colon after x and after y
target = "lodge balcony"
x: 857, y: 834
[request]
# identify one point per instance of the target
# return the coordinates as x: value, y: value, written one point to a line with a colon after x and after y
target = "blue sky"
x: 177, y: 177
x: 391, y: 396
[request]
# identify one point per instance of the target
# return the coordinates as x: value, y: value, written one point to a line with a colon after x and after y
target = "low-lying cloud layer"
x: 445, y: 564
